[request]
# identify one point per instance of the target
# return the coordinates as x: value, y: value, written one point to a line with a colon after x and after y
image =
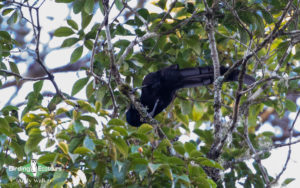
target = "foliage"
x: 90, y: 139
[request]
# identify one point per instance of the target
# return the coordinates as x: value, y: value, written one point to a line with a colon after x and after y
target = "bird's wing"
x: 193, y: 77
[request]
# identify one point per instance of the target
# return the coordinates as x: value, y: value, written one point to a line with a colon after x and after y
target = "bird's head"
x: 133, y: 117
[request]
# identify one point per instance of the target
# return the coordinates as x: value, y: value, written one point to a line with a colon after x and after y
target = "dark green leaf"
x: 89, y: 90
x: 63, y: 32
x: 79, y: 84
x: 18, y: 149
x: 37, y: 87
x: 73, y: 24
x: 76, y: 54
x: 4, y: 127
x: 290, y: 105
x: 69, y: 42
x: 89, y: 6
x: 77, y: 6
x: 88, y: 44
x: 5, y: 35
x: 14, y: 69
x: 86, y: 19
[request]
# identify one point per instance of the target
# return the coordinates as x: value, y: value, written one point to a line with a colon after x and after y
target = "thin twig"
x: 289, y: 151
x: 37, y: 33
x: 253, y: 150
x: 166, y: 15
x: 113, y: 69
x: 23, y: 78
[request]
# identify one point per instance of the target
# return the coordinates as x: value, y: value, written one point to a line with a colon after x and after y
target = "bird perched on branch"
x: 159, y: 88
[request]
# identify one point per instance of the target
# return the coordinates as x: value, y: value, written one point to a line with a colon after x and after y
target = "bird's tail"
x: 200, y: 76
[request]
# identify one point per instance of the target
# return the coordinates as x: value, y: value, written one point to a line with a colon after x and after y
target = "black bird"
x: 159, y: 88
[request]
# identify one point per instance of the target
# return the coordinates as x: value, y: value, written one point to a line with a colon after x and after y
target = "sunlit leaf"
x: 64, y: 147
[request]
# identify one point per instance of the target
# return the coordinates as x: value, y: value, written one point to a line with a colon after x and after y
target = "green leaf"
x: 13, y: 18
x: 297, y: 69
x: 88, y: 143
x: 119, y: 4
x: 121, y: 130
x: 175, y: 161
x: 88, y: 44
x: 18, y: 149
x: 267, y: 16
x: 5, y: 35
x: 79, y: 84
x: 78, y: 127
x: 33, y: 124
x: 290, y: 105
x: 168, y: 171
x: 116, y: 122
x: 179, y: 148
x: 82, y: 150
x: 64, y: 147
x: 90, y: 89
x: 47, y: 158
x: 69, y: 42
x: 76, y: 54
x: 7, y: 11
x: 162, y: 4
x: 121, y: 145
x: 37, y: 87
x: 33, y: 141
x: 12, y: 174
x: 73, y: 157
x: 144, y: 129
x: 186, y: 107
x: 101, y: 7
x: 210, y: 163
x: 72, y: 23
x: 89, y: 6
x: 287, y: 181
x: 84, y: 105
x: 63, y: 32
x: 153, y: 167
x: 77, y: 6
x: 89, y: 119
x: 86, y: 19
x: 59, y: 179
x: 4, y: 127
x: 14, y: 69
x: 189, y: 147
